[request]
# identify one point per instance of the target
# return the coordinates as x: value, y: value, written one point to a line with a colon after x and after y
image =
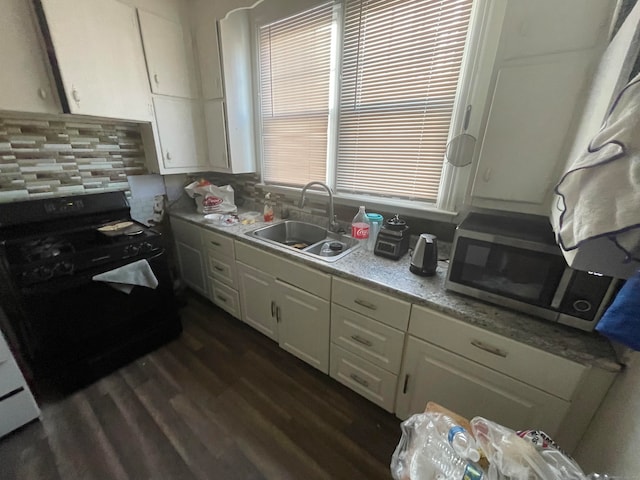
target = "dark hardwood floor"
x: 221, y: 402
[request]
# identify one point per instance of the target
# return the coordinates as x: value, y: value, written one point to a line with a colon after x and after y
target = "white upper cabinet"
x: 99, y: 53
x: 214, y: 120
x: 25, y: 84
x: 166, y: 55
x: 180, y: 132
x: 209, y: 60
x: 545, y: 58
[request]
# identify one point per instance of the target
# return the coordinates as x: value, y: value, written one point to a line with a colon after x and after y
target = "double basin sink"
x: 307, y: 238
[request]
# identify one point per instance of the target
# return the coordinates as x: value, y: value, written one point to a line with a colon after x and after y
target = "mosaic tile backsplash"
x: 58, y: 157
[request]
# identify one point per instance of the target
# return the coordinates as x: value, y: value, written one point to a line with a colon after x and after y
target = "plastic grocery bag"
x: 211, y: 198
x: 423, y: 453
x: 527, y: 455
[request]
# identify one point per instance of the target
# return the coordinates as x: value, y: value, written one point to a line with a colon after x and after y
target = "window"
x: 384, y: 131
x: 295, y: 71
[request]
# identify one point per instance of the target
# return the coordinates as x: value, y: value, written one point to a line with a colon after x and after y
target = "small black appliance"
x: 425, y: 256
x: 393, y: 239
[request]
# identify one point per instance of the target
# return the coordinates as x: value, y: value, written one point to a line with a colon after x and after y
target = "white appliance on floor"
x: 17, y: 405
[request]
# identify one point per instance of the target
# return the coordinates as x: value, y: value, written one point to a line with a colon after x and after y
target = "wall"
x: 58, y: 155
x: 610, y: 444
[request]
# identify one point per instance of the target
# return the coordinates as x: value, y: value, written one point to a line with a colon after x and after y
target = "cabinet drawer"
x: 304, y: 278
x: 543, y: 370
x: 17, y: 410
x: 370, y: 339
x: 384, y: 308
x: 10, y: 376
x: 186, y: 232
x: 218, y: 244
x: 370, y: 381
x: 225, y: 297
x: 222, y: 269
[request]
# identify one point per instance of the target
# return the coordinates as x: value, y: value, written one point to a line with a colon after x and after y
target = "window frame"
x: 473, y: 89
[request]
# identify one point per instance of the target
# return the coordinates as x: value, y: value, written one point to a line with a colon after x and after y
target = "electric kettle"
x: 425, y: 256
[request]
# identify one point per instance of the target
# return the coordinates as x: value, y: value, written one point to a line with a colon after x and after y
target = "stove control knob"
x: 64, y: 267
x: 43, y: 272
x: 131, y: 250
x: 145, y: 247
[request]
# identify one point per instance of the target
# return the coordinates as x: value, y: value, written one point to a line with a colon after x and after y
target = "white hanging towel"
x: 125, y: 278
x: 599, y: 196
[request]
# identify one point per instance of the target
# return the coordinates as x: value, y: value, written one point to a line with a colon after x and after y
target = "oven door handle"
x: 160, y: 253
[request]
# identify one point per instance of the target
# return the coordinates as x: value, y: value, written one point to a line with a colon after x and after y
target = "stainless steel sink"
x: 307, y: 238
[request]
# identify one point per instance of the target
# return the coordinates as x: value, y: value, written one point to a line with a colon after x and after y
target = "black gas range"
x: 67, y: 327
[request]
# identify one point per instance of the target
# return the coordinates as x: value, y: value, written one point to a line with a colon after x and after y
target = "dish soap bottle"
x: 268, y: 208
x: 360, y: 226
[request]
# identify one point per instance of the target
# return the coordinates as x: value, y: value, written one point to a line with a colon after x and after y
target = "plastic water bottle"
x: 360, y: 226
x: 444, y: 464
x: 460, y: 440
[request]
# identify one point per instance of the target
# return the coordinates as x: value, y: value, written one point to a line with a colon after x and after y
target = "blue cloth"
x: 621, y: 321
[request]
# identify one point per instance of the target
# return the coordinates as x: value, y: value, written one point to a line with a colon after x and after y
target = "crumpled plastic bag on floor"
x: 424, y: 454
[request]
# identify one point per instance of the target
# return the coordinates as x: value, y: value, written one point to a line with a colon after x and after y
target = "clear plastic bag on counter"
x: 423, y: 453
x: 211, y: 198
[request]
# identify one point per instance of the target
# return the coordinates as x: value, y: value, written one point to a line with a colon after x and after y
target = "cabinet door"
x: 179, y: 124
x: 24, y: 84
x: 430, y: 373
x: 258, y: 300
x: 214, y: 120
x: 531, y: 111
x: 208, y: 48
x: 303, y: 325
x: 99, y: 53
x: 166, y: 55
x: 192, y: 267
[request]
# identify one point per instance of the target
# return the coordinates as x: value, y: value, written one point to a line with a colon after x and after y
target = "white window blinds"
x: 401, y: 63
x: 295, y: 69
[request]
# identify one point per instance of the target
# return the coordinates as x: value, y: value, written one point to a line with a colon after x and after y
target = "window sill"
x: 396, y: 205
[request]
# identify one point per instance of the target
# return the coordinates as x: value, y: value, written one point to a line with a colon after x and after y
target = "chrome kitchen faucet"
x: 333, y: 222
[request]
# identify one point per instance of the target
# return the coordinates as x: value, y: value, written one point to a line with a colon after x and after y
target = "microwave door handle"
x: 562, y: 288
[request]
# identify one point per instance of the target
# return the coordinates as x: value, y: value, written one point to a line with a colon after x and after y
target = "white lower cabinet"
x: 219, y: 252
x: 189, y: 252
x: 303, y: 325
x: 257, y: 297
x: 430, y: 373
x: 370, y: 381
x: 367, y: 339
x: 17, y: 405
x: 297, y: 318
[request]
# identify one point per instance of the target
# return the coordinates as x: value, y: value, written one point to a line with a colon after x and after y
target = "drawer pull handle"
x: 361, y: 340
x: 220, y: 297
x: 277, y: 314
x: 489, y: 348
x: 365, y: 304
x: 220, y: 269
x: 215, y: 243
x: 359, y: 380
x: 273, y: 308
x: 406, y: 383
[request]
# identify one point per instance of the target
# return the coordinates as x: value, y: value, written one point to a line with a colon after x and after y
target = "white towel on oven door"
x: 126, y: 277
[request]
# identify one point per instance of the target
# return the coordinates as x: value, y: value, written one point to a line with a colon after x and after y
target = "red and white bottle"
x: 360, y: 226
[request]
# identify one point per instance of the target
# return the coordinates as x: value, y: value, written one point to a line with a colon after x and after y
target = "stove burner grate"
x: 45, y: 248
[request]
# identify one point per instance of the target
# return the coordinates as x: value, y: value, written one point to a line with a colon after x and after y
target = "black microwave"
x: 514, y: 261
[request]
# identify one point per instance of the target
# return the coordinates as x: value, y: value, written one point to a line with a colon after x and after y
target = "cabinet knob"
x: 42, y: 93
x: 487, y: 174
x: 156, y: 79
x: 75, y: 95
x: 168, y: 156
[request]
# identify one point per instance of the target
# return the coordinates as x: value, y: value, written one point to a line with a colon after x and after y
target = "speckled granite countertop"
x: 394, y: 277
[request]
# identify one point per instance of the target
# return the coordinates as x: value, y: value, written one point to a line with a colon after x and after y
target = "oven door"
x: 74, y: 324
x: 511, y: 272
